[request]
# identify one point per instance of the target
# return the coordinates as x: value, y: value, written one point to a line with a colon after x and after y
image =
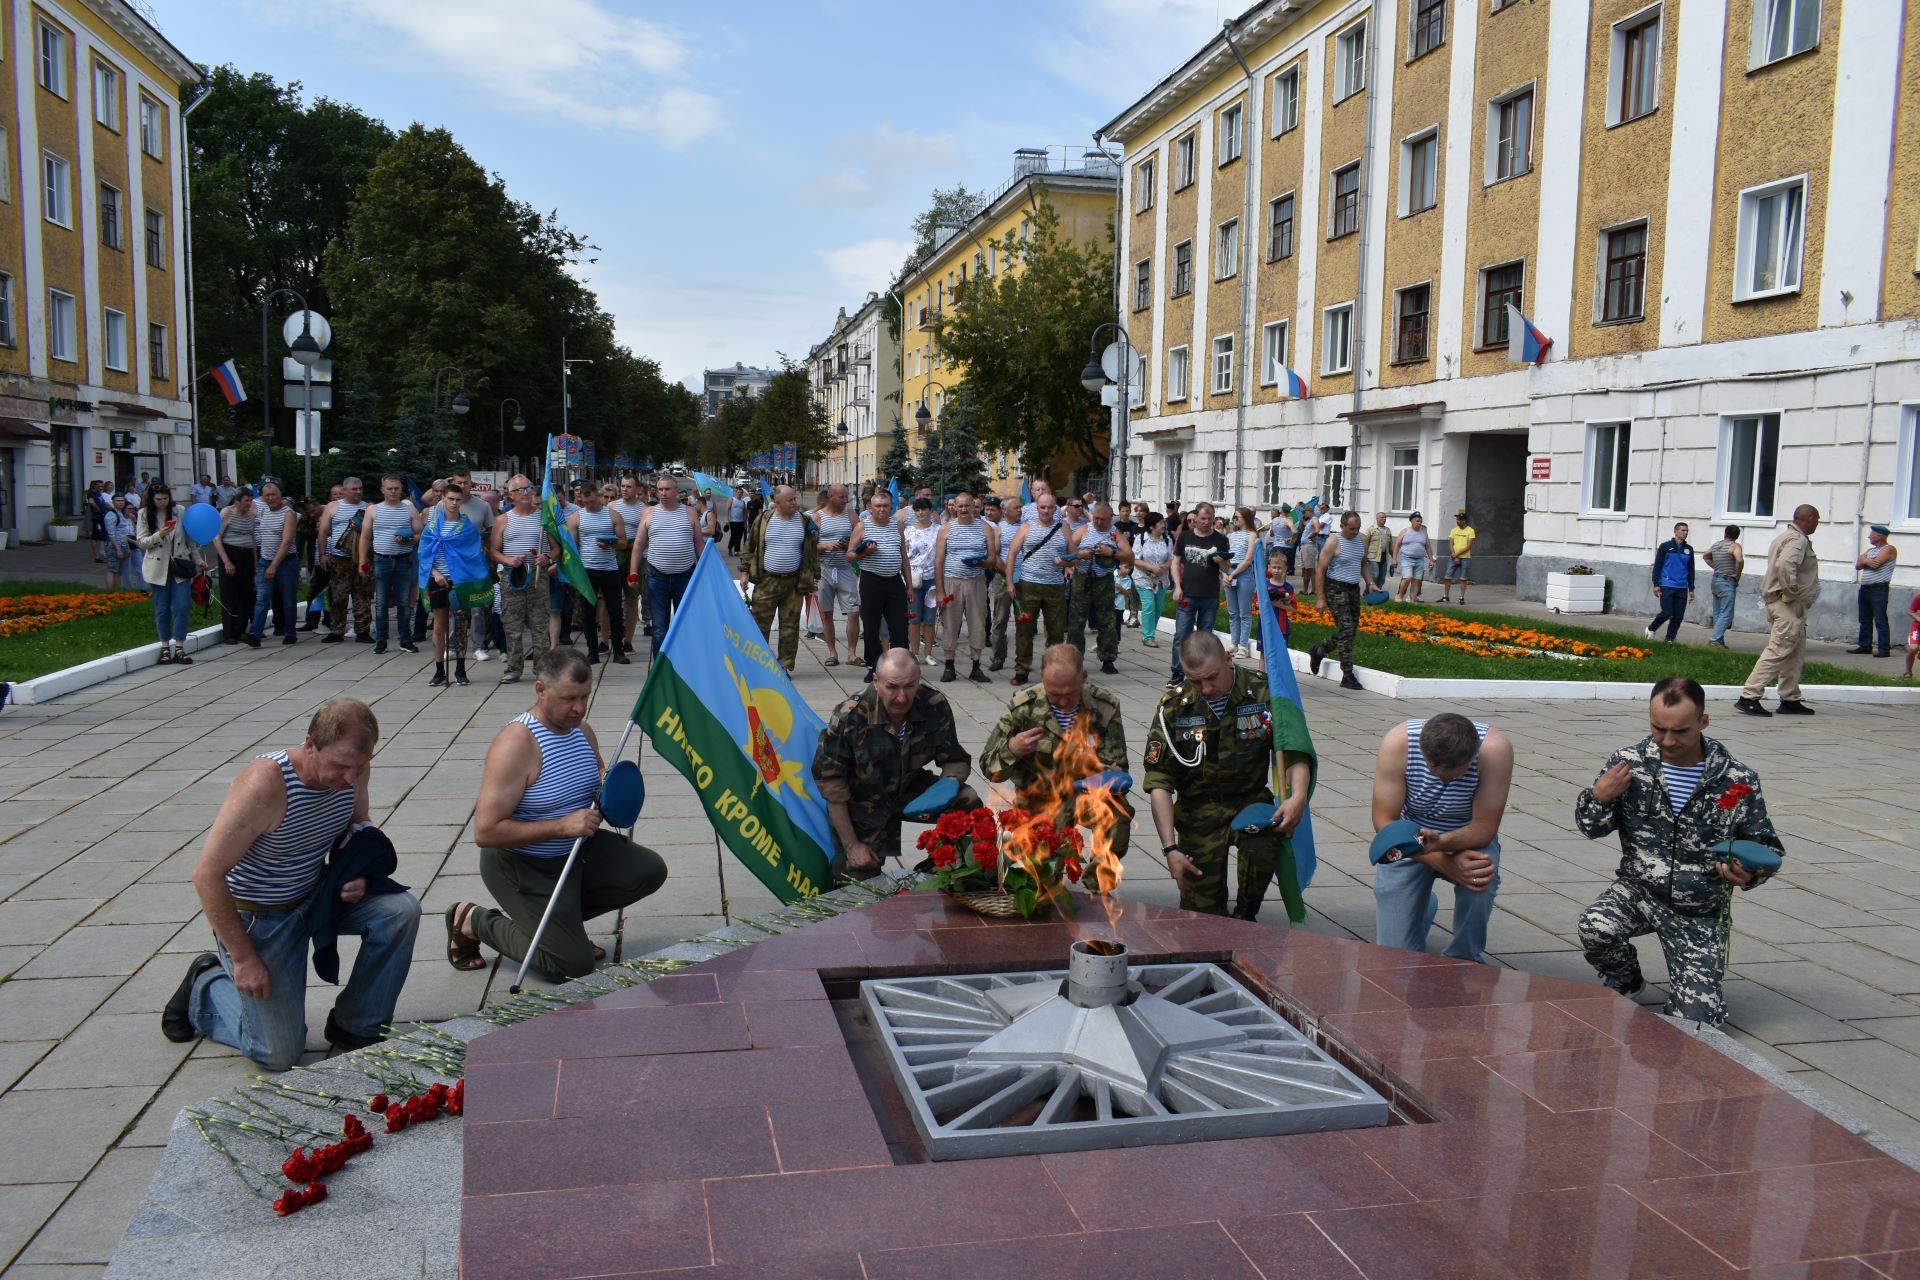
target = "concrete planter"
x: 1576, y: 593
x: 63, y: 533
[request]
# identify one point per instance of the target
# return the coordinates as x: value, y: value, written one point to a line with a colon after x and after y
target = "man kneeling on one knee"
x: 1449, y: 775
x: 538, y: 794
x: 1672, y: 796
x: 269, y: 889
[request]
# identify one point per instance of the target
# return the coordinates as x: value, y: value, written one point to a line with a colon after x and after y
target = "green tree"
x: 946, y: 209
x: 787, y: 413
x: 951, y: 461
x: 727, y: 438
x: 898, y: 464
x: 1021, y: 335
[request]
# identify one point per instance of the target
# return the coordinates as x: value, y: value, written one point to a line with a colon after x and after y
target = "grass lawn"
x: 67, y: 644
x: 1432, y: 661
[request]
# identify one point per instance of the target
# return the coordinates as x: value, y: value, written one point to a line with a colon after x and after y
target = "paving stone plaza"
x: 106, y: 795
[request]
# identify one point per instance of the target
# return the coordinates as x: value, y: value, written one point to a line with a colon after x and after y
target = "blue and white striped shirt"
x: 1092, y: 538
x: 1065, y: 718
x: 569, y: 781
x: 1441, y: 806
x: 965, y: 538
x: 1042, y: 567
x: 782, y: 542
x: 595, y: 525
x: 670, y: 539
x: 285, y: 864
x: 834, y: 528
x: 889, y: 546
x: 1682, y: 781
x: 388, y: 523
x: 521, y: 536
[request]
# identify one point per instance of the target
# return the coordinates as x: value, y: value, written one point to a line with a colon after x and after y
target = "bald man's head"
x: 896, y: 679
x: 786, y: 499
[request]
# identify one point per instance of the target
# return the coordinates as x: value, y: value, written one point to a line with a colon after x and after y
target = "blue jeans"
x: 663, y: 597
x: 1873, y: 615
x: 276, y: 592
x: 1240, y: 608
x: 170, y: 605
x: 1405, y: 904
x: 396, y: 581
x: 1725, y: 591
x: 273, y: 1031
x: 1197, y: 616
x: 1673, y: 610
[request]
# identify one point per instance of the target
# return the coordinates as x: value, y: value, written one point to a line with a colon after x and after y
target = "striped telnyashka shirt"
x: 284, y: 864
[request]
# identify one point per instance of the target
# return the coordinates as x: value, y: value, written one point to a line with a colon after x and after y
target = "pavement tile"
x: 23, y: 1211
x: 41, y: 922
x: 49, y: 1008
x: 57, y: 1135
x: 103, y: 949
x: 109, y: 1049
x: 89, y: 1225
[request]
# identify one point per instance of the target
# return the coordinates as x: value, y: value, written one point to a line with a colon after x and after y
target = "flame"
x: 1055, y: 797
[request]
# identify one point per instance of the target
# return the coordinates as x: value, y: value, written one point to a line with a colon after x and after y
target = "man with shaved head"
x: 873, y: 756
x: 1028, y: 746
x: 782, y: 561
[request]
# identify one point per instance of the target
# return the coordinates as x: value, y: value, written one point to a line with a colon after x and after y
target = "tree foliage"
x: 1021, y: 335
x: 951, y: 207
x: 786, y: 413
x: 951, y: 461
x: 898, y: 464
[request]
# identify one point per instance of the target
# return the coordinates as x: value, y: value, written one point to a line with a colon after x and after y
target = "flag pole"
x: 720, y: 865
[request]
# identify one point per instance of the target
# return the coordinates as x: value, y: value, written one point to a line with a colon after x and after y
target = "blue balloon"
x: 202, y: 522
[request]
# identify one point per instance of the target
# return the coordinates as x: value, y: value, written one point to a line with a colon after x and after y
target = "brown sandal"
x: 463, y: 953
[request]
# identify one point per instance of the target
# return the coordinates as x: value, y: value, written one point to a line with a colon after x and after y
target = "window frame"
x: 60, y: 68
x: 1410, y: 149
x: 107, y: 315
x: 1143, y: 283
x: 153, y: 129
x: 1335, y: 199
x: 1496, y: 149
x: 118, y: 206
x: 1400, y: 318
x: 1335, y: 460
x: 1396, y: 473
x: 154, y: 239
x: 1419, y: 11
x: 1350, y: 61
x: 1603, y: 298
x: 1723, y: 466
x: 56, y: 332
x: 1744, y: 245
x: 1145, y: 179
x: 1230, y: 142
x: 1906, y: 503
x: 1185, y: 159
x: 1619, y: 449
x: 116, y: 83
x: 1226, y: 249
x: 1217, y: 469
x: 1274, y: 252
x: 1272, y: 473
x: 1620, y: 67
x: 1327, y: 314
x: 6, y: 164
x: 1181, y: 358
x: 1286, y: 109
x: 1762, y: 9
x: 1220, y: 376
x: 1271, y: 361
x: 1173, y: 476
x: 1483, y: 341
x: 160, y: 367
x: 47, y: 187
x: 1180, y: 279
x: 6, y: 310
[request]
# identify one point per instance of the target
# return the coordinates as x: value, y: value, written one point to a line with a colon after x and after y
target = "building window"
x: 1286, y: 101
x: 1609, y: 446
x: 113, y: 338
x: 1419, y: 173
x: 1143, y: 284
x: 1429, y: 26
x: 6, y: 310
x: 1510, y: 136
x: 1270, y: 478
x: 62, y: 326
x: 1499, y: 286
x: 1223, y: 365
x: 1625, y: 294
x: 1906, y: 495
x: 1217, y: 477
x: 106, y: 96
x: 1749, y: 459
x: 1172, y: 479
x: 1280, y: 228
x: 1406, y: 478
x: 1230, y: 140
x: 111, y: 233
x: 1273, y: 352
x: 1345, y: 219
x: 58, y: 180
x: 1350, y: 61
x: 1772, y: 228
x: 1782, y: 28
x: 156, y: 238
x: 1634, y: 73
x: 53, y: 59
x: 1226, y: 249
x: 1177, y: 373
x: 1333, y: 476
x: 1136, y: 467
x: 1411, y: 308
x: 157, y: 352
x: 1143, y: 185
x: 1336, y: 339
x: 1183, y: 163
x: 6, y: 164
x: 1182, y: 267
x: 153, y: 120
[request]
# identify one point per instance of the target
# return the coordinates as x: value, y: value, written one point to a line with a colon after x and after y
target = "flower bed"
x: 22, y: 614
x: 1472, y: 635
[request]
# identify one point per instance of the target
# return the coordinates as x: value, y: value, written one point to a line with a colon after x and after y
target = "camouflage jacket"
x: 1237, y: 748
x: 1667, y: 853
x: 1029, y: 709
x: 809, y: 550
x: 862, y: 762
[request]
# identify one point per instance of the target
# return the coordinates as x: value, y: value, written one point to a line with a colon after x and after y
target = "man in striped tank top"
x: 519, y: 543
x: 964, y: 548
x: 1099, y: 552
x: 665, y: 550
x: 782, y: 561
x: 1038, y: 558
x: 389, y: 539
x: 260, y: 880
x: 632, y: 506
x: 1341, y: 575
x: 839, y: 585
x: 340, y: 526
x: 1451, y: 776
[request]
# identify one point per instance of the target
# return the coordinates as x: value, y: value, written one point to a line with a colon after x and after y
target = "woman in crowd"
x: 1152, y: 558
x: 1241, y: 582
x: 236, y: 547
x: 168, y: 568
x: 1413, y: 549
x: 921, y: 615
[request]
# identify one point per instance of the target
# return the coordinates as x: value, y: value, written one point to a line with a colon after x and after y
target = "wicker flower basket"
x: 987, y: 902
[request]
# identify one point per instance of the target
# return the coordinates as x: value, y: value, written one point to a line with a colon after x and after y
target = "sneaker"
x: 1716, y: 644
x: 1174, y: 682
x: 1017, y: 681
x: 408, y: 646
x: 1152, y: 643
x: 998, y: 664
x: 483, y: 655
x: 1860, y: 649
x: 363, y: 639
x: 512, y: 677
x: 1751, y: 706
x: 343, y: 1040
x: 251, y: 640
x: 1794, y: 707
x: 949, y: 675
x: 379, y: 648
x: 333, y: 637
x: 1107, y: 668
x: 1348, y: 680
x: 978, y: 676
x: 175, y: 1025
x: 289, y: 638
x: 1650, y: 628
x: 1316, y: 656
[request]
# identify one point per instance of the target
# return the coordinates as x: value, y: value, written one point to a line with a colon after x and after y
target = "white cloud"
x: 1118, y: 49
x: 877, y: 164
x: 867, y: 265
x: 571, y: 60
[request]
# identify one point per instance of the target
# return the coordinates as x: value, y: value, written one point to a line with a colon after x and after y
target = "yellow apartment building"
x: 1079, y: 184
x: 1711, y: 207
x: 94, y: 376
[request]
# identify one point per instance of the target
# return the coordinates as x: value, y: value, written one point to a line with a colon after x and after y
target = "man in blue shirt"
x: 1673, y: 581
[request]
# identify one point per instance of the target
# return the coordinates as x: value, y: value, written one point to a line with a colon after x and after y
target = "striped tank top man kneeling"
x: 1447, y: 777
x: 290, y: 864
x: 538, y: 795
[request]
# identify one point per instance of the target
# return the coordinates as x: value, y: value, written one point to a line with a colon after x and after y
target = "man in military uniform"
x: 873, y: 757
x: 1211, y: 742
x: 782, y: 560
x: 1063, y: 726
x: 1672, y: 796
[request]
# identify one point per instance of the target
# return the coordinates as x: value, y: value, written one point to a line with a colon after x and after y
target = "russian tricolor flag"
x: 1293, y: 385
x: 226, y: 376
x: 1525, y: 342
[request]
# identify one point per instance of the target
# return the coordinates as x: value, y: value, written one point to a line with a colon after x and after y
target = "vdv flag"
x: 458, y: 542
x: 1290, y: 737
x: 704, y: 483
x: 766, y: 490
x: 226, y: 376
x: 1296, y: 386
x: 720, y: 709
x: 569, y: 563
x: 1525, y: 343
x: 1026, y: 492
x: 893, y: 487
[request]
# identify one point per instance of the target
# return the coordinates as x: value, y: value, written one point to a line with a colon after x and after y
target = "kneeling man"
x: 1672, y: 796
x: 263, y: 882
x: 1064, y: 723
x: 538, y: 794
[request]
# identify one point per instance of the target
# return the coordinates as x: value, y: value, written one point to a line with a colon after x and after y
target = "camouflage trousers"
x: 1002, y: 615
x: 780, y: 593
x: 1343, y: 602
x: 1092, y: 606
x: 1205, y: 833
x: 524, y: 613
x: 1039, y: 602
x: 1696, y: 949
x: 876, y: 821
x: 348, y: 585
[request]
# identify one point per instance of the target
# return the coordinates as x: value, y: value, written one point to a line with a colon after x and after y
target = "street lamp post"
x: 920, y: 420
x: 305, y: 350
x: 1094, y: 379
x: 459, y: 404
x: 519, y: 424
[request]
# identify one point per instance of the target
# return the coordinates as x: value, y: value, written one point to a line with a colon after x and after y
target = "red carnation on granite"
x: 377, y: 1103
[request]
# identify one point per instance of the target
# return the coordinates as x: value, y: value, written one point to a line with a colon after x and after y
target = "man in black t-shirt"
x: 1199, y: 558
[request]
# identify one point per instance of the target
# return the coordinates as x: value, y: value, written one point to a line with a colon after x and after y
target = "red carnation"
x: 1073, y: 869
x: 944, y: 855
x: 1734, y: 794
x: 377, y: 1103
x: 952, y: 826
x: 1025, y: 617
x: 351, y: 1126
x: 299, y: 1167
x: 925, y: 842
x: 986, y: 854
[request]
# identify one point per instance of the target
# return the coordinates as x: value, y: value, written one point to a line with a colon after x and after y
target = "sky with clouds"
x: 747, y: 169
